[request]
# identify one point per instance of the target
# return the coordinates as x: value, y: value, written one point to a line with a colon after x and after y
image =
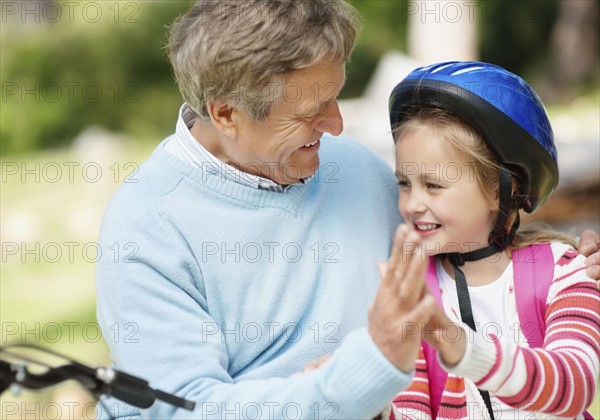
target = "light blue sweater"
x: 222, y: 292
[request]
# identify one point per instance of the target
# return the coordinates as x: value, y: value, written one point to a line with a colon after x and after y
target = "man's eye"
x: 310, y: 116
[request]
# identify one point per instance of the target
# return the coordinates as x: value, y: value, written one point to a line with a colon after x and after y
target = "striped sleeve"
x: 413, y: 402
x: 560, y: 377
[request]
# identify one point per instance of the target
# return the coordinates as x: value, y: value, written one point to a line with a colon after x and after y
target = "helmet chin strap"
x: 498, y: 240
x: 499, y: 236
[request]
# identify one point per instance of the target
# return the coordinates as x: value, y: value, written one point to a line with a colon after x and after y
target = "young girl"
x: 473, y: 146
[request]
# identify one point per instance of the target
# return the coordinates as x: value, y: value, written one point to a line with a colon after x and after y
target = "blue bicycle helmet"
x: 501, y: 106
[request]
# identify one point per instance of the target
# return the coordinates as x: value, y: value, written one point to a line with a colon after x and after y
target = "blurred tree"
x: 385, y: 23
x: 573, y: 52
x: 63, y: 70
x: 515, y: 34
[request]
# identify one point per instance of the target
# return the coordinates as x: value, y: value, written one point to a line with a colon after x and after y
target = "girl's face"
x: 440, y: 197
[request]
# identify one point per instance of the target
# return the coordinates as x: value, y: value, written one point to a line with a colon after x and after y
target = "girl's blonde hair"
x: 468, y: 143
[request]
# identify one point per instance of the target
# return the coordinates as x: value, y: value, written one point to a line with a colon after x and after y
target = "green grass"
x: 47, y: 292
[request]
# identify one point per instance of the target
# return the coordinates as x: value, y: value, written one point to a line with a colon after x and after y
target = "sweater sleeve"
x: 156, y: 321
x: 414, y: 401
x: 559, y: 378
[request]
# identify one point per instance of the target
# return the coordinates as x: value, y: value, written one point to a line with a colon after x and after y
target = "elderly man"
x: 255, y: 236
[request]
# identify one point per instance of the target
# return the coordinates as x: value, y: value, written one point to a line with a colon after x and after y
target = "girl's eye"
x: 433, y: 186
x: 404, y: 184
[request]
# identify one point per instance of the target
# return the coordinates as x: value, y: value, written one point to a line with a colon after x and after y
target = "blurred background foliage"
x: 114, y: 72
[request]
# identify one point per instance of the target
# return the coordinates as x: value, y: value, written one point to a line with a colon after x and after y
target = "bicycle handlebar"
x: 100, y: 381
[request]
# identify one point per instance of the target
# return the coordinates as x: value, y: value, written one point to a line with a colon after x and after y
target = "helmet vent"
x: 443, y: 67
x: 468, y: 69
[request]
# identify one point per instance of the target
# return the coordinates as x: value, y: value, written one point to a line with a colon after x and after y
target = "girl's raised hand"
x: 401, y: 305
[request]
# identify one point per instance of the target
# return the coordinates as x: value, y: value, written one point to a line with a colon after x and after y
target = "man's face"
x: 284, y: 146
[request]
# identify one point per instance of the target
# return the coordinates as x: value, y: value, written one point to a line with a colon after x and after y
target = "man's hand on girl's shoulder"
x: 589, y: 245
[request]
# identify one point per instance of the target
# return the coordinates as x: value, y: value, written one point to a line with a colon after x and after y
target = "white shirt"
x: 489, y: 305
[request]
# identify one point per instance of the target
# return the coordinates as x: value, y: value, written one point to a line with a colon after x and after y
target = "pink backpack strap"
x: 436, y: 375
x: 533, y: 268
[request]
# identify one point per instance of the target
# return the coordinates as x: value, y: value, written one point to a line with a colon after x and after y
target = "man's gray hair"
x: 240, y: 51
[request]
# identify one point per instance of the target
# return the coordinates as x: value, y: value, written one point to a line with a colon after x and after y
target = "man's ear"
x: 223, y: 117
